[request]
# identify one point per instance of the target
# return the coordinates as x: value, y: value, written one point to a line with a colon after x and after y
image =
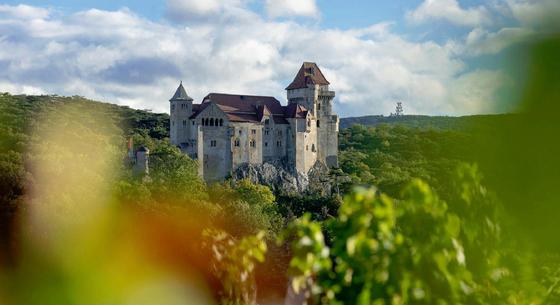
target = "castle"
x: 226, y: 130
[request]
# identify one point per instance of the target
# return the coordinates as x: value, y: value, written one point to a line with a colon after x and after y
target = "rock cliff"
x: 282, y: 180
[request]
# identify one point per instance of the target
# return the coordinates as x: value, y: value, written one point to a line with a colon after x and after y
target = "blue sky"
x: 436, y: 56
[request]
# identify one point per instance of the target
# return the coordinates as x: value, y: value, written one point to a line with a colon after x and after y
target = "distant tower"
x: 142, y: 161
x: 399, y: 109
x: 180, y: 112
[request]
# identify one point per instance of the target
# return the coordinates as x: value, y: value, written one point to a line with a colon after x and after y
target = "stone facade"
x: 228, y: 131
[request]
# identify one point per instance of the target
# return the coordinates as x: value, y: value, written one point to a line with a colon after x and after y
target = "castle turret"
x: 180, y: 111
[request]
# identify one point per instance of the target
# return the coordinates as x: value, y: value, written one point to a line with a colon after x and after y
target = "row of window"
x: 253, y: 143
x: 212, y: 122
x: 183, y: 106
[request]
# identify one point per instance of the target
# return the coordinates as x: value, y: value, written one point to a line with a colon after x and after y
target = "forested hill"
x: 24, y: 108
x: 461, y: 123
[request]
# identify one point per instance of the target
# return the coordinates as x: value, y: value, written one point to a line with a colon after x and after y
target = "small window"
x: 306, y: 147
x: 236, y: 142
x: 267, y: 121
x: 279, y: 143
x: 318, y: 106
x: 213, y: 143
x: 313, y: 148
x: 184, y: 123
x: 173, y: 107
x: 193, y: 123
x: 308, y: 123
x: 265, y: 144
x: 212, y: 122
x: 266, y: 132
x: 239, y: 131
x: 318, y: 124
x: 253, y: 143
x: 253, y: 131
x: 221, y: 122
x: 172, y: 123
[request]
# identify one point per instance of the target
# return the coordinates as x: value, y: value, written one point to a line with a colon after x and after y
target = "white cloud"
x: 450, y: 11
x: 287, y: 8
x: 24, y: 11
x: 535, y: 13
x: 473, y: 91
x: 479, y: 41
x: 120, y: 57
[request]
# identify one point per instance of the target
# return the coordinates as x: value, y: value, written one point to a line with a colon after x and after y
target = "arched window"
x: 205, y: 122
x: 308, y: 123
x: 212, y: 122
x: 221, y: 122
x: 318, y: 124
x: 236, y: 143
x: 313, y: 147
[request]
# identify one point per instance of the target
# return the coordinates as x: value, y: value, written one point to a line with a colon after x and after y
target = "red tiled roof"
x: 309, y: 74
x: 244, y: 108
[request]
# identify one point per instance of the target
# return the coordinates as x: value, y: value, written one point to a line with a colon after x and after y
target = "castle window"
x: 236, y: 143
x: 239, y: 131
x: 172, y: 123
x: 279, y: 132
x: 279, y: 143
x: 253, y: 131
x: 313, y: 147
x: 212, y: 122
x: 184, y: 123
x: 318, y: 124
x: 266, y: 144
x: 253, y: 143
x: 213, y: 143
x: 318, y: 106
x: 267, y: 121
x: 172, y: 107
x: 308, y: 123
x: 193, y: 123
x: 306, y: 147
x: 266, y: 132
x: 221, y: 122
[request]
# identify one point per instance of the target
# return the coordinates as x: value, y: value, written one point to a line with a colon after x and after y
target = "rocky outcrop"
x: 284, y: 181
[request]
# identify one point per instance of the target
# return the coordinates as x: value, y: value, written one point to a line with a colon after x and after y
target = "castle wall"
x: 214, y: 145
x: 248, y: 149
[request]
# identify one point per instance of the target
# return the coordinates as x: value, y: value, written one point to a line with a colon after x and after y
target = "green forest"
x: 420, y: 216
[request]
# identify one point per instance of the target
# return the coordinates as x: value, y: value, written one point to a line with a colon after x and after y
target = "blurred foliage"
x: 234, y: 264
x: 410, y: 251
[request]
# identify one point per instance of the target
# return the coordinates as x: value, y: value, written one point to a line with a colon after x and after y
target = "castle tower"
x: 310, y: 89
x: 142, y: 161
x: 180, y: 111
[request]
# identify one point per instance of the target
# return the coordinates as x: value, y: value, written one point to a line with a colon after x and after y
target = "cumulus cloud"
x: 130, y: 60
x: 287, y: 8
x: 480, y: 41
x: 450, y: 11
x: 535, y: 13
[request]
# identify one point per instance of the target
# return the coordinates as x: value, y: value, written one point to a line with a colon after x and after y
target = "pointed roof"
x: 296, y: 111
x: 309, y: 74
x: 181, y: 94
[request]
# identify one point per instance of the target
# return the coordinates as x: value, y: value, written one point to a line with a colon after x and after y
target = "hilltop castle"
x: 226, y: 130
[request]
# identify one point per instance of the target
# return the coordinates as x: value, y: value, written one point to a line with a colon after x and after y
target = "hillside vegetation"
x: 412, y: 223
